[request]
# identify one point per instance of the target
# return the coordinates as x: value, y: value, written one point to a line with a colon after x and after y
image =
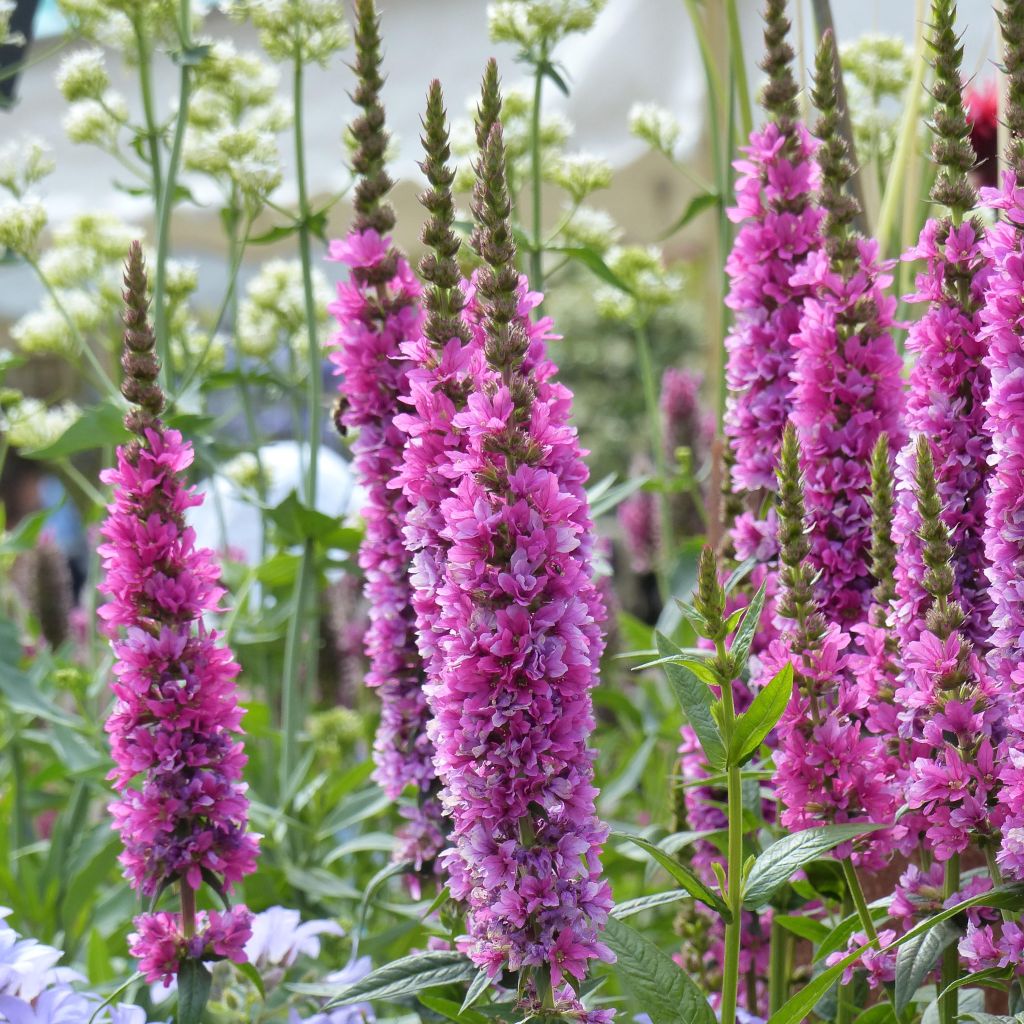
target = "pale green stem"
x: 537, y: 247
x: 950, y: 967
x: 739, y: 69
x: 163, y: 240
x: 649, y: 384
x: 148, y: 109
x: 25, y: 64
x: 734, y: 859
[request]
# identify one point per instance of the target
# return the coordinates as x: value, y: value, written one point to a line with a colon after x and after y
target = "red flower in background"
x: 981, y: 105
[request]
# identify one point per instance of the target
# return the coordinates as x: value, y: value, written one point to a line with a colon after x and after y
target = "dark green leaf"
x: 656, y: 899
x: 698, y: 204
x: 683, y: 875
x: 404, y: 977
x: 776, y: 865
x: 477, y: 988
x: 800, y: 1005
x: 696, y: 699
x: 804, y: 927
x: 451, y: 1009
x: 386, y: 872
x: 759, y: 719
x: 97, y: 426
x: 594, y: 262
x: 255, y: 977
x: 193, y: 991
x: 24, y: 536
x: 740, y: 648
x: 916, y: 958
x: 659, y: 987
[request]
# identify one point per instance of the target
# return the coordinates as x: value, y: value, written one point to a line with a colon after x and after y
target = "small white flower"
x: 656, y: 125
x: 280, y: 937
x: 21, y: 223
x: 82, y: 75
x: 30, y: 424
x: 24, y: 162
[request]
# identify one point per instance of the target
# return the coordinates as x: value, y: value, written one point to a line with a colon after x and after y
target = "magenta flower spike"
x: 174, y: 731
x: 1003, y: 316
x: 521, y: 645
x: 379, y: 312
x: 949, y: 382
x: 780, y: 227
x: 847, y: 376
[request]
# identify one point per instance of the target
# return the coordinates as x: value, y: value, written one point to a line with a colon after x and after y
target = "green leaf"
x: 250, y: 971
x: 477, y: 988
x: 698, y: 204
x: 916, y: 959
x: 740, y: 647
x: 656, y: 899
x: 193, y: 991
x: 628, y: 780
x: 804, y: 927
x: 17, y: 688
x: 594, y: 262
x: 299, y: 523
x: 759, y: 719
x: 776, y: 865
x: 24, y: 536
x: 800, y: 1005
x: 97, y: 426
x: 683, y: 875
x: 971, y: 1001
x: 696, y: 700
x: 386, y: 872
x: 405, y: 977
x: 658, y: 986
x: 452, y: 1011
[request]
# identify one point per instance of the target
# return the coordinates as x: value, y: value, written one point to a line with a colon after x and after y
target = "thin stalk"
x: 537, y: 245
x: 844, y: 992
x: 739, y: 69
x: 778, y: 974
x: 163, y: 240
x: 649, y: 384
x: 950, y: 967
x: 188, y: 910
x: 734, y: 860
x: 291, y: 702
x: 103, y: 378
x: 28, y: 62
x: 895, y: 201
x: 997, y: 880
x: 148, y: 109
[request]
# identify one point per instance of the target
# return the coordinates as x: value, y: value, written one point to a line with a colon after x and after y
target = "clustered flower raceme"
x: 520, y: 619
x: 379, y: 312
x: 176, y: 721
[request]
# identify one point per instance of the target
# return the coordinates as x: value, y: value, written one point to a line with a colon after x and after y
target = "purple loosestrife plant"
x: 827, y: 769
x: 779, y: 228
x: 1003, y: 319
x: 522, y: 614
x: 174, y: 731
x: 378, y: 312
x: 949, y: 382
x: 847, y: 387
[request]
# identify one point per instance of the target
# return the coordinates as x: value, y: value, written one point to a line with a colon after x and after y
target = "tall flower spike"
x: 521, y: 650
x: 847, y: 387
x: 949, y: 382
x: 1002, y: 316
x: 176, y: 720
x: 827, y: 770
x: 779, y: 226
x: 378, y: 313
x: 949, y: 704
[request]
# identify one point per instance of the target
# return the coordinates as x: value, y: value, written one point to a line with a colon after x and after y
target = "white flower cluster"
x: 233, y: 122
x: 7, y: 37
x: 650, y: 283
x: 33, y: 988
x: 30, y: 424
x: 536, y: 24
x: 272, y: 316
x: 309, y: 31
x: 656, y: 126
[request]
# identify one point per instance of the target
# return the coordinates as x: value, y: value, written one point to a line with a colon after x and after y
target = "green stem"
x: 844, y: 992
x: 853, y: 887
x: 163, y: 240
x: 148, y: 109
x: 950, y: 968
x: 778, y: 975
x: 26, y: 63
x: 103, y: 378
x: 290, y: 703
x: 537, y: 246
x: 188, y: 909
x: 739, y: 68
x: 649, y: 384
x: 734, y: 859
